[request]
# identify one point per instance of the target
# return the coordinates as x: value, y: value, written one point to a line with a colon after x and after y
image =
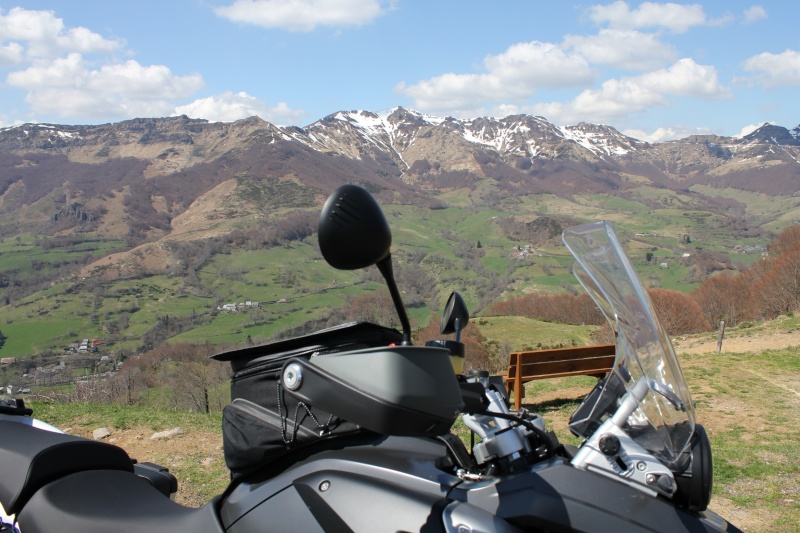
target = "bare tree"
x: 723, y: 297
x: 679, y: 313
x: 563, y: 308
x: 777, y: 292
x: 197, y: 382
x: 129, y: 382
x: 374, y: 307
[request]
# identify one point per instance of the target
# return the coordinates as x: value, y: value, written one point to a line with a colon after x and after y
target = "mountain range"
x: 156, y: 180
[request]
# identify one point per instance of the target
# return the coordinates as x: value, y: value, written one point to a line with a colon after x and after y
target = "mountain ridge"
x: 393, y: 129
x: 132, y: 179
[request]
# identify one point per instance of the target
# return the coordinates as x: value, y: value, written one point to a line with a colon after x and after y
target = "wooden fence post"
x: 518, y: 384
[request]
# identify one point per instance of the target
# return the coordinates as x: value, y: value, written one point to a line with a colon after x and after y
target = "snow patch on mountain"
x: 49, y: 131
x: 371, y: 123
x: 395, y: 130
x: 430, y: 119
x: 503, y: 136
x: 595, y: 142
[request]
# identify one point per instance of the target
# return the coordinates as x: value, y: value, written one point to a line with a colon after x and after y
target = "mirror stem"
x: 385, y: 266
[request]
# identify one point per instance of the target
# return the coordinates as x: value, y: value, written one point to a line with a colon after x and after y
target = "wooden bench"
x: 594, y: 361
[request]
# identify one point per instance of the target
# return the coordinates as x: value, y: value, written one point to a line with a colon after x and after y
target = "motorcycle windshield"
x: 645, y: 365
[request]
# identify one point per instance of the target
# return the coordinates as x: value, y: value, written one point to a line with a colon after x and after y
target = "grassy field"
x: 523, y: 333
x: 748, y: 402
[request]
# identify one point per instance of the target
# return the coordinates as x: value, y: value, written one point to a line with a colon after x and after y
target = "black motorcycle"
x: 348, y: 429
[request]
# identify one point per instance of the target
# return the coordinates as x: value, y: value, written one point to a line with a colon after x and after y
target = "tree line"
x: 171, y: 376
x: 766, y: 290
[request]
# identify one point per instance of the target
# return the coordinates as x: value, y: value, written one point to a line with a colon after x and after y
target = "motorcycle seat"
x: 108, y: 501
x: 31, y: 457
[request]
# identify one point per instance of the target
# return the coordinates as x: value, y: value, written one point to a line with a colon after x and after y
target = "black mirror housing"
x: 455, y: 317
x: 353, y: 231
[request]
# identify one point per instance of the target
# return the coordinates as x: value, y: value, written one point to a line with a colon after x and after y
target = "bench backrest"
x: 546, y: 363
x: 560, y: 362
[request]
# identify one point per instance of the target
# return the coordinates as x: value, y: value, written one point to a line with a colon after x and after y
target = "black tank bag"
x: 263, y: 422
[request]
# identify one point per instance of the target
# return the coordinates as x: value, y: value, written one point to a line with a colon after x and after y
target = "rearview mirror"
x: 455, y: 317
x: 353, y: 232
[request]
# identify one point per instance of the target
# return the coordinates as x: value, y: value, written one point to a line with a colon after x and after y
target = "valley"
x: 138, y: 233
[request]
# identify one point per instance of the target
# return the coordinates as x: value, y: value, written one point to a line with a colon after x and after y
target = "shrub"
x: 679, y: 313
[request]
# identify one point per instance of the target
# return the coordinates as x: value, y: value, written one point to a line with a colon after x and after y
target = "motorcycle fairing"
x: 554, y: 496
x: 397, y: 483
x: 372, y: 483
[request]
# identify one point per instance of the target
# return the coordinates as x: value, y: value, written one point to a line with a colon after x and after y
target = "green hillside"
x: 435, y: 251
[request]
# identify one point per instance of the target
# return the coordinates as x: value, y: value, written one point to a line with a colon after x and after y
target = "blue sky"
x: 653, y: 70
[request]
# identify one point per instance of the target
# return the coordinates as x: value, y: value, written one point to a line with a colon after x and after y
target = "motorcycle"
x: 349, y: 429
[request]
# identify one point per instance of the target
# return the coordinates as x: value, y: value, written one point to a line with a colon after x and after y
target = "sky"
x: 653, y: 70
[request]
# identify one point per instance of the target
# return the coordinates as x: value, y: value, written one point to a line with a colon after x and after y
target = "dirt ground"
x: 738, y: 343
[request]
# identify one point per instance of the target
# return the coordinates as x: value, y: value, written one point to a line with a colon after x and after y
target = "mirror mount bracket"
x: 385, y: 267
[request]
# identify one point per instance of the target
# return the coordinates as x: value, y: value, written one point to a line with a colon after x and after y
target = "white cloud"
x: 513, y: 75
x: 627, y: 49
x: 775, y: 69
x: 617, y: 99
x: 59, y: 73
x: 750, y: 128
x: 137, y: 81
x: 6, y: 123
x: 511, y: 78
x: 10, y: 54
x: 677, y: 18
x: 667, y: 134
x: 43, y: 35
x: 56, y: 68
x: 754, y: 14
x: 229, y: 106
x: 535, y: 64
x: 68, y: 87
x: 304, y: 15
x: 686, y: 78
x: 614, y: 100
